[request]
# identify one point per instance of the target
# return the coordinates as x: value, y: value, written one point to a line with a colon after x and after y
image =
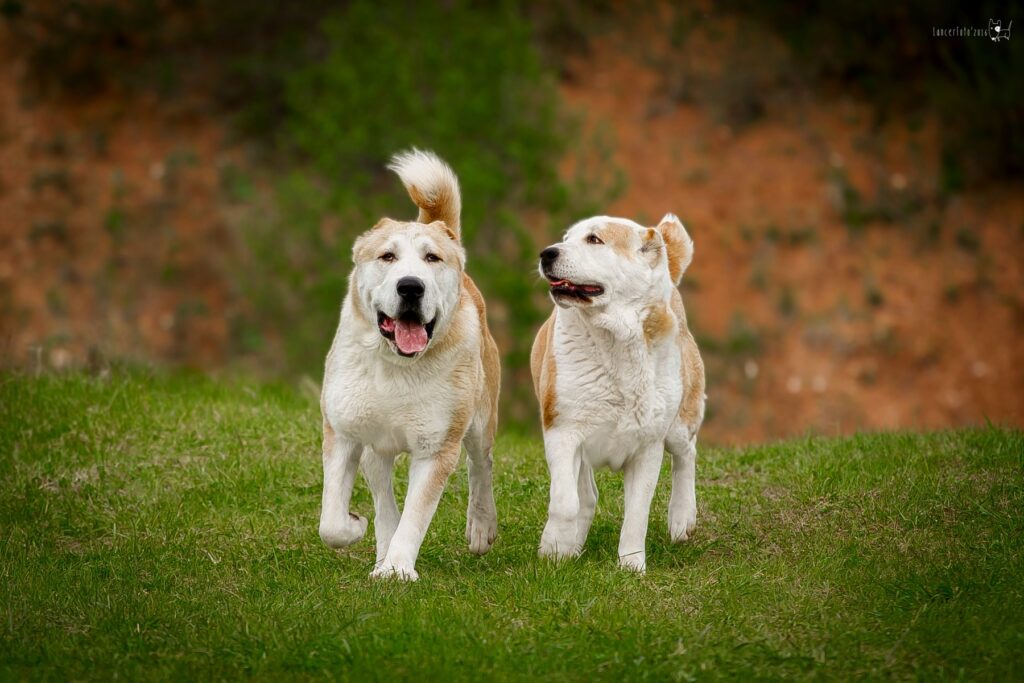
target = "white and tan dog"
x: 619, y: 379
x: 413, y: 368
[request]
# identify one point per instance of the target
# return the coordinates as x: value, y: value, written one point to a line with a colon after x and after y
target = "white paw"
x: 386, y: 570
x: 481, y: 530
x: 681, y: 523
x: 557, y: 549
x: 636, y: 562
x: 341, y: 533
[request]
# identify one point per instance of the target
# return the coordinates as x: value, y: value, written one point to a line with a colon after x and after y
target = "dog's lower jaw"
x: 387, y: 327
x: 570, y: 302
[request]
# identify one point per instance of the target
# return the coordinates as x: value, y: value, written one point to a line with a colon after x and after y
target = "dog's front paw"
x: 387, y: 570
x: 481, y: 530
x: 555, y: 548
x: 344, y: 532
x: 681, y: 523
x: 636, y: 562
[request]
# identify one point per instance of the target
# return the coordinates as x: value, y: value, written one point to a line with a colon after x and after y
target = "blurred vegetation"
x: 330, y: 91
x: 886, y: 52
x: 83, y: 48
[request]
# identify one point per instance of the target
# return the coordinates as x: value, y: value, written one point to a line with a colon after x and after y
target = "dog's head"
x: 604, y: 260
x: 407, y: 281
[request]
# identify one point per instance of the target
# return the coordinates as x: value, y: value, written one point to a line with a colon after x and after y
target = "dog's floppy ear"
x: 453, y: 248
x: 678, y: 245
x: 443, y: 227
x: 360, y: 250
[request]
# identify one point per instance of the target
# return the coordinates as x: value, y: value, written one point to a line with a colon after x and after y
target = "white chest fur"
x: 393, y: 407
x: 617, y: 389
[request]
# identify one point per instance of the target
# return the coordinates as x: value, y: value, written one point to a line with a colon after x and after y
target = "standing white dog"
x: 619, y: 379
x: 413, y: 368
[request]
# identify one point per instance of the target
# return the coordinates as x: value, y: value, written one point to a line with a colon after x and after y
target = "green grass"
x: 165, y: 527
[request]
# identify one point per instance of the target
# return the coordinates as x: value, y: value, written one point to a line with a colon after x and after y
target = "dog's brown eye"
x: 594, y: 239
x: 431, y: 258
x: 387, y: 257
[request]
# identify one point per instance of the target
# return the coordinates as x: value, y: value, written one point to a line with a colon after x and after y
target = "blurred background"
x: 181, y: 183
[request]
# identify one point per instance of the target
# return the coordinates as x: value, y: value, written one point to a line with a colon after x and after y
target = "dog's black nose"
x: 410, y: 288
x: 548, y: 256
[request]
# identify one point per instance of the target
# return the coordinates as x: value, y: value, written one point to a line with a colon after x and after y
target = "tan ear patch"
x: 448, y: 243
x: 678, y: 245
x: 653, y: 241
x: 441, y: 226
x: 370, y: 241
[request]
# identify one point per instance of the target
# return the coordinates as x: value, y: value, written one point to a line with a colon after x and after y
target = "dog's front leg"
x: 428, y: 473
x: 641, y: 478
x: 587, y: 489
x: 377, y: 469
x: 559, y: 539
x: 338, y: 526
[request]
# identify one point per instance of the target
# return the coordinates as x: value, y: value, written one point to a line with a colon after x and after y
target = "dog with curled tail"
x: 413, y: 368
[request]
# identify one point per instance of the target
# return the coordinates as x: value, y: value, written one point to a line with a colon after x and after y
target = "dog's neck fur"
x: 617, y: 343
x: 624, y: 322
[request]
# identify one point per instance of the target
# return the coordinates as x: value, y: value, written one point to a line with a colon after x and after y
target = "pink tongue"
x: 411, y: 337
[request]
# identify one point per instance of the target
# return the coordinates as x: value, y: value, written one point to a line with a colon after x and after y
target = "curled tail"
x: 432, y: 185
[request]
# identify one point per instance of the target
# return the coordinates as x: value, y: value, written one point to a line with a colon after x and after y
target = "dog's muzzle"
x: 408, y: 331
x: 562, y: 288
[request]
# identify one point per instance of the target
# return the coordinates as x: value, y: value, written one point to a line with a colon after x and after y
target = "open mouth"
x: 408, y: 332
x: 572, y: 290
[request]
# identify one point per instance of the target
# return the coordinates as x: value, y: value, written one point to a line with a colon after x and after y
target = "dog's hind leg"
x: 338, y: 526
x: 587, y: 490
x: 481, y: 514
x: 682, y: 507
x: 377, y: 470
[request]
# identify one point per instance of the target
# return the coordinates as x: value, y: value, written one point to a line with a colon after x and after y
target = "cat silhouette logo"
x: 996, y: 30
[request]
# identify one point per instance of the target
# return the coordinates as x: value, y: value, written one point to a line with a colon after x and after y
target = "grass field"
x: 159, y: 527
